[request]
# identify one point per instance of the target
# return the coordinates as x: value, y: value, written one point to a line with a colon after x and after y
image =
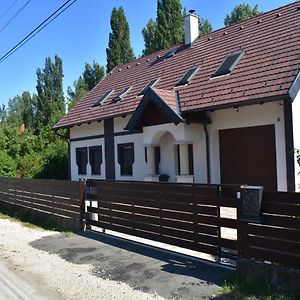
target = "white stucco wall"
x: 296, y: 129
x: 247, y: 116
x: 84, y: 130
x: 167, y: 135
x: 121, y: 122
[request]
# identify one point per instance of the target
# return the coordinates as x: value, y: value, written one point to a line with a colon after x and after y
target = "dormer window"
x: 229, y: 64
x: 122, y: 94
x: 102, y: 98
x: 188, y: 76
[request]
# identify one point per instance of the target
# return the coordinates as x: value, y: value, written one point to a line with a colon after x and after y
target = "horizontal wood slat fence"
x: 277, y: 238
x: 184, y: 215
x: 58, y: 200
x: 188, y: 216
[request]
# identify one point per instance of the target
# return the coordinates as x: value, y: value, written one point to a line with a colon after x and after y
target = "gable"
x: 155, y: 108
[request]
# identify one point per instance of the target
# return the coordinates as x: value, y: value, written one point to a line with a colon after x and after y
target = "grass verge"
x: 237, y: 287
x: 26, y: 219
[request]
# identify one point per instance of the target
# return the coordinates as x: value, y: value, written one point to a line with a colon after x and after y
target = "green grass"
x: 237, y: 287
x: 26, y: 219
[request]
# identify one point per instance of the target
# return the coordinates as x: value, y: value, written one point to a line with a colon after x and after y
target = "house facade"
x: 220, y: 108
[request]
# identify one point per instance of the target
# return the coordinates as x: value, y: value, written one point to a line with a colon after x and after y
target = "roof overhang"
x: 153, y: 110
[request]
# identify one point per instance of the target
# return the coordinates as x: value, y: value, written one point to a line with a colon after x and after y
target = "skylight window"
x: 188, y: 76
x: 171, y: 53
x: 229, y: 64
x: 152, y: 83
x: 102, y: 98
x: 122, y: 94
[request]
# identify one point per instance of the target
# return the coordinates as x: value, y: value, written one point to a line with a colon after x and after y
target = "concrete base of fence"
x: 278, y: 277
x: 63, y: 223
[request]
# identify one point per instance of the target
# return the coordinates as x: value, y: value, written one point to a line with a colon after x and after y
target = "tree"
x: 119, y: 50
x: 91, y: 75
x: 204, y: 26
x: 169, y: 23
x: 3, y: 113
x: 149, y: 34
x: 21, y: 110
x: 240, y: 13
x: 167, y: 29
x: 50, y: 106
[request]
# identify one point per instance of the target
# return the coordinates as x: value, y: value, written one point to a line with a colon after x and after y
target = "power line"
x: 1, y: 16
x: 35, y: 31
x: 14, y: 16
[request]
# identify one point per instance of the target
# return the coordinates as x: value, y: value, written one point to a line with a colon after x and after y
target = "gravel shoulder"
x: 51, y: 276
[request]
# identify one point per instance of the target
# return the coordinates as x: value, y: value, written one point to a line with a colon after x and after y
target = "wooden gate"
x: 184, y: 215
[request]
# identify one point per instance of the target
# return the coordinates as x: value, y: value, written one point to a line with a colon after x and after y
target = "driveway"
x: 143, y: 267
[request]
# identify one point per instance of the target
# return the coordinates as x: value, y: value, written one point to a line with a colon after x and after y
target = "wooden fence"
x: 188, y: 216
x: 184, y: 215
x: 59, y: 201
x: 277, y: 238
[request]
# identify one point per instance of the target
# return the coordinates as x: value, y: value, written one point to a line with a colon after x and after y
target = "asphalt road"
x: 16, y: 285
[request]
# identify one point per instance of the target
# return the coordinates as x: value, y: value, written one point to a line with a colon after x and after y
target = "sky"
x: 81, y: 33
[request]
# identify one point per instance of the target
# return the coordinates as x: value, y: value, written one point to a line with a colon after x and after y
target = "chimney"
x: 191, y: 28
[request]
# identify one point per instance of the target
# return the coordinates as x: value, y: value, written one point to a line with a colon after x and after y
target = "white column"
x: 150, y: 160
x: 184, y: 159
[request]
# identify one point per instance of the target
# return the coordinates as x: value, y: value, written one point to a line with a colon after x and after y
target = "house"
x: 219, y: 108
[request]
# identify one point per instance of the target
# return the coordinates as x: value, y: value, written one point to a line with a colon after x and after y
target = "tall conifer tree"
x: 50, y: 101
x: 119, y: 50
x: 168, y: 30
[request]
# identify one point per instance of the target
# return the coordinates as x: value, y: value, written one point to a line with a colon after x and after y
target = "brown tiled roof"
x: 168, y: 96
x: 271, y: 43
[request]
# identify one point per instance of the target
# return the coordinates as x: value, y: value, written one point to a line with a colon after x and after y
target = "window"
x: 152, y: 83
x: 102, y: 98
x: 229, y: 64
x: 188, y: 76
x: 119, y: 96
x: 190, y: 159
x: 171, y: 53
x: 81, y: 160
x: 126, y: 158
x: 95, y: 159
x: 156, y: 158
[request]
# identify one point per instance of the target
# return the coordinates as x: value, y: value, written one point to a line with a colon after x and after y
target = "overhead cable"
x: 35, y: 31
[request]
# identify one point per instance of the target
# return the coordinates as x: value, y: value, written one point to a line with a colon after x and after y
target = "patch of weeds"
x: 237, y: 287
x: 67, y: 233
x: 28, y: 220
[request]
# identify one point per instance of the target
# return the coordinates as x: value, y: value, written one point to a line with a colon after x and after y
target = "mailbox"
x: 251, y: 203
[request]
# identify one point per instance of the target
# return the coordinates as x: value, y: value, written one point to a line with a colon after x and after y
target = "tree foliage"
x: 29, y: 147
x: 240, y: 13
x: 50, y: 101
x: 119, y: 50
x: 167, y: 29
x: 91, y: 75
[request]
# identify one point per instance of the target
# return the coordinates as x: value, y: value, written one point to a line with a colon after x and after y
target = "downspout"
x: 207, y: 152
x: 66, y: 137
